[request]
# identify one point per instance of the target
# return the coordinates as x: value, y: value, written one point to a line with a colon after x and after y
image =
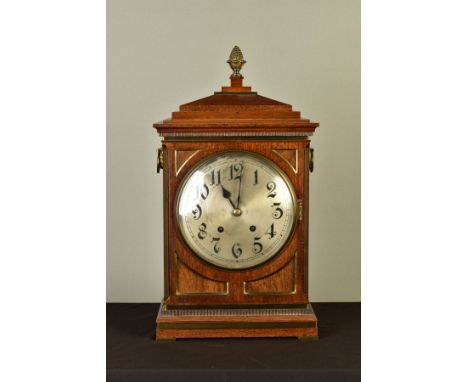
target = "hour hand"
x: 227, y: 195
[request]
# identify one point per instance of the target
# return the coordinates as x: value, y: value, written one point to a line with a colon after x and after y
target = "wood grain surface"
x: 213, y: 125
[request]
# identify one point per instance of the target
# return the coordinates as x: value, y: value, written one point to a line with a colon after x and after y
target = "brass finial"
x: 236, y: 61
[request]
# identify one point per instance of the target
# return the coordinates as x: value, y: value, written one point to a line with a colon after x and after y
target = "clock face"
x: 236, y: 210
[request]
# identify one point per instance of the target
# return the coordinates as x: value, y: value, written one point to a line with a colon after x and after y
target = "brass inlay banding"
x: 179, y: 293
x: 236, y: 325
x: 294, y: 168
x: 237, y: 134
x: 293, y: 291
x: 240, y: 306
x: 178, y: 169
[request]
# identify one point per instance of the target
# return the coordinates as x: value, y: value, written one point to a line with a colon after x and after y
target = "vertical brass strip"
x: 300, y: 207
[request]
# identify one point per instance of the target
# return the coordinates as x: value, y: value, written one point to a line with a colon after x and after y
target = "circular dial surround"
x: 236, y: 209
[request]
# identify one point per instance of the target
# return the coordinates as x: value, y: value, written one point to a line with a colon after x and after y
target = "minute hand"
x: 238, y: 194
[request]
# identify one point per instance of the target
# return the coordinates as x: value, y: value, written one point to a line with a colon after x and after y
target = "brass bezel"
x: 266, y: 161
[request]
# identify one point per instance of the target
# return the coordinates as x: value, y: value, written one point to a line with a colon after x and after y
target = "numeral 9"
x: 197, y: 212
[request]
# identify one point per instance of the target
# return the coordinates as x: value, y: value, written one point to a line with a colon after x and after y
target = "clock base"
x: 236, y: 322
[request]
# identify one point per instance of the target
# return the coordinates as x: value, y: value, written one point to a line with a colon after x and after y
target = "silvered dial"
x: 236, y: 210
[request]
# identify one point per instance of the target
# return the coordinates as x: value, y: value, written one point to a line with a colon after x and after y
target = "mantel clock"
x: 236, y: 174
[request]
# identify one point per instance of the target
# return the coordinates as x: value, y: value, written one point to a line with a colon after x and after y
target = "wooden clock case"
x: 200, y: 299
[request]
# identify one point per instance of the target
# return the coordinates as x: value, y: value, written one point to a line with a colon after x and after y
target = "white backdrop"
x: 161, y: 54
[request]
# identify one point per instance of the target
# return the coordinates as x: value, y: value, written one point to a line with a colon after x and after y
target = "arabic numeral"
x: 197, y: 212
x: 216, y: 247
x: 203, y: 191
x: 202, y: 231
x: 215, y: 177
x: 234, y: 169
x: 271, y: 186
x: 271, y: 231
x: 257, y: 246
x: 278, y: 212
x: 255, y: 177
x: 236, y: 250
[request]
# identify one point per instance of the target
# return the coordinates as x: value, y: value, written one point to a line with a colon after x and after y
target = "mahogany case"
x: 235, y: 119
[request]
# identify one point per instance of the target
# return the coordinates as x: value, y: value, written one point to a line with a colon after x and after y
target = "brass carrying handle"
x: 311, y: 160
x: 160, y: 165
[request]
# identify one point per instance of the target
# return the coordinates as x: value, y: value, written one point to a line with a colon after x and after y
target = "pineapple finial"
x: 236, y: 61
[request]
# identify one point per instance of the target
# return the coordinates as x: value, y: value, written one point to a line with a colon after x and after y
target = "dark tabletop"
x: 134, y: 355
